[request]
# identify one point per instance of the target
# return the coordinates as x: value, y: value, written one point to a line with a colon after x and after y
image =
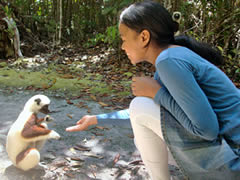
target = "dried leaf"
x: 69, y: 102
x: 81, y: 148
x: 90, y: 154
x: 70, y: 175
x: 116, y: 159
x: 103, y: 104
x: 137, y: 162
x: 93, y: 97
x: 31, y: 87
x: 60, y: 163
x: 94, y: 173
x: 98, y: 134
x: 21, y: 77
x: 130, y: 136
x: 76, y: 159
x: 68, y: 115
x: 45, y: 86
x: 67, y: 76
x: 106, y: 140
x: 66, y: 168
x: 102, y: 128
x: 76, y: 164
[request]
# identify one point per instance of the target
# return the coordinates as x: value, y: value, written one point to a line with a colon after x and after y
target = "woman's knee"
x: 143, y: 108
x: 139, y: 106
x: 136, y: 106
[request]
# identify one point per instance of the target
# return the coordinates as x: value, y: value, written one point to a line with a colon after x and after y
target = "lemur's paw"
x: 48, y: 118
x: 54, y: 135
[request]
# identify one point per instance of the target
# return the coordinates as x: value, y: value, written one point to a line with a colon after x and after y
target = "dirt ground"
x: 104, y: 152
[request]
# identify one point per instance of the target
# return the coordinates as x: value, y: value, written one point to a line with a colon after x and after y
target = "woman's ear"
x: 145, y: 37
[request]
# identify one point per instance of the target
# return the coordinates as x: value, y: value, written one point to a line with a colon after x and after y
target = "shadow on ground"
x: 104, y: 152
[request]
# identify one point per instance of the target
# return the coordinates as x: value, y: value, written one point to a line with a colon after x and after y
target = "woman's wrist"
x: 94, y: 120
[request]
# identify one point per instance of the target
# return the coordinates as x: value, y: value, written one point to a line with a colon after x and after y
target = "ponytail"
x: 153, y: 17
x: 203, y: 49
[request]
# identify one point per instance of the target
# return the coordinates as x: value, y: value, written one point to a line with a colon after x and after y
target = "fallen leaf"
x: 70, y: 175
x: 116, y: 159
x: 106, y: 140
x: 102, y: 128
x: 31, y: 87
x: 67, y: 76
x: 90, y: 154
x: 81, y: 148
x: 68, y: 115
x: 98, y: 134
x: 76, y: 159
x: 103, y: 104
x: 21, y: 76
x: 66, y: 169
x: 130, y: 136
x: 69, y: 102
x: 60, y: 163
x: 93, y: 97
x: 137, y: 162
x: 76, y: 164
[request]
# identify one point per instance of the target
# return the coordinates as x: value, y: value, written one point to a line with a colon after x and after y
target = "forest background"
x: 84, y: 33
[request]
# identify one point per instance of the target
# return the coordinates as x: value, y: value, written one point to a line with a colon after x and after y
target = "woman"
x: 190, y: 107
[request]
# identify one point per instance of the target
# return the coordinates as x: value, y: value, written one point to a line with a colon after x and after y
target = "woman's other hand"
x: 83, y: 123
x: 145, y: 86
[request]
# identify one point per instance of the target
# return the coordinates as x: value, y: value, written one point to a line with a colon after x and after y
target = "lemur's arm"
x: 38, y: 121
x: 33, y: 131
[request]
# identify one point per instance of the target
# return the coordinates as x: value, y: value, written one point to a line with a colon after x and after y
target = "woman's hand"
x: 83, y: 123
x: 145, y: 86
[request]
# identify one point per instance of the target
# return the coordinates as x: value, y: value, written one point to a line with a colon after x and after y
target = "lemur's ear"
x: 38, y: 100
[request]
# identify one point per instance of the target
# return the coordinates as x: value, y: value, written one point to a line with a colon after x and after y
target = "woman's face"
x: 132, y: 44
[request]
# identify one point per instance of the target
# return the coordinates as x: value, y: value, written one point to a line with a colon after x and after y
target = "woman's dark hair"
x: 152, y: 16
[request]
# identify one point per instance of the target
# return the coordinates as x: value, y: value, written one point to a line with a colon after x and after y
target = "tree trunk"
x: 60, y: 22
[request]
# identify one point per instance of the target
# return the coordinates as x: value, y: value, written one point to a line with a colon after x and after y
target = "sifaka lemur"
x: 28, y: 133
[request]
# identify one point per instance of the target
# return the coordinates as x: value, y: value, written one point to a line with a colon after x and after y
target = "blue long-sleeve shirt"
x: 198, y: 94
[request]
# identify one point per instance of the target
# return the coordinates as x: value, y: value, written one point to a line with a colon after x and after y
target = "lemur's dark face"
x: 176, y: 16
x: 44, y: 109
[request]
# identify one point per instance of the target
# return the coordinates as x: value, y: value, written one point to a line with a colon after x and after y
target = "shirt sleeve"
x: 116, y: 115
x: 185, y: 100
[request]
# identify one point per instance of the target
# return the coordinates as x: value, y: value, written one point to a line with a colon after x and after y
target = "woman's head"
x: 148, y: 22
x: 154, y: 18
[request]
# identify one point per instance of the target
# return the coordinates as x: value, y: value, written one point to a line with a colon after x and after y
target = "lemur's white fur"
x: 28, y: 134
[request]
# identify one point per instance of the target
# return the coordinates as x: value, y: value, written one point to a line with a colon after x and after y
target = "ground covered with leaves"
x: 100, y: 73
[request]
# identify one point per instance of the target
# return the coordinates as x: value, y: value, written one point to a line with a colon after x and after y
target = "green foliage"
x: 7, y: 11
x: 110, y: 37
x: 95, y: 22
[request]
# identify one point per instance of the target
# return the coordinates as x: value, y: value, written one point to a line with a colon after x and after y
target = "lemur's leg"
x: 28, y: 159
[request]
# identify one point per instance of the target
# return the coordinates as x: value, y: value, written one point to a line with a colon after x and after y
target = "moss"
x: 51, y: 80
x: 3, y: 64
